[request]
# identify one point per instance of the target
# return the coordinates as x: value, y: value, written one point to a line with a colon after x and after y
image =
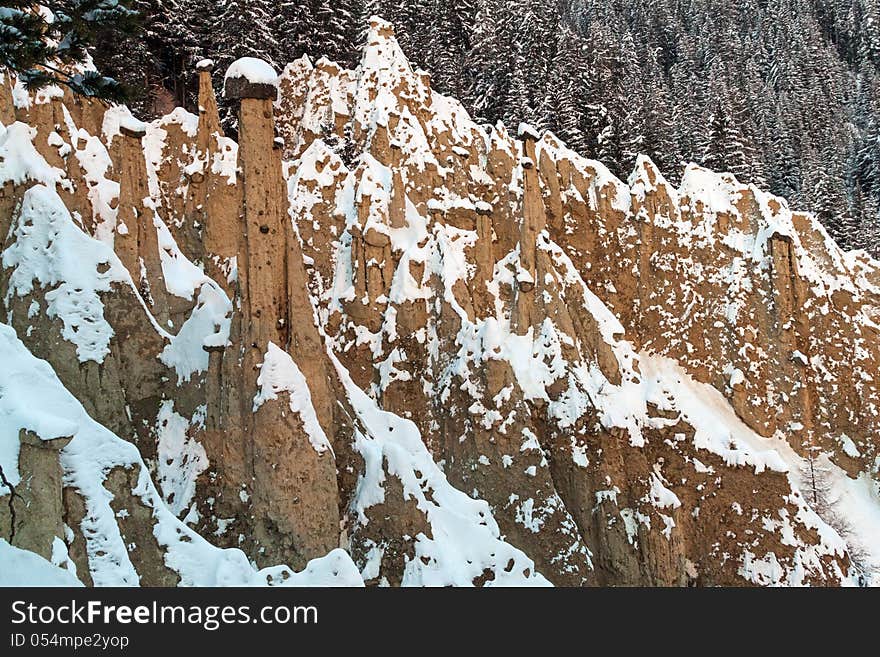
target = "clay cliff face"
x: 462, y: 355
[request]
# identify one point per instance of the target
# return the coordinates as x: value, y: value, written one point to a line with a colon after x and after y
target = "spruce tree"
x: 771, y: 90
x: 48, y: 43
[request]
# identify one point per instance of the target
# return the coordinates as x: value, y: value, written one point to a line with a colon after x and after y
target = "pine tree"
x: 46, y: 46
x: 771, y: 90
x: 828, y: 198
x: 568, y: 82
x: 488, y: 58
x: 246, y: 32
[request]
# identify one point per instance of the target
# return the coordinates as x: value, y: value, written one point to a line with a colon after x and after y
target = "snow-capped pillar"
x: 127, y: 226
x: 534, y: 216
x: 293, y: 501
x: 216, y: 199
x: 137, y: 240
x: 209, y: 117
x: 262, y: 259
x: 534, y: 220
x: 483, y: 248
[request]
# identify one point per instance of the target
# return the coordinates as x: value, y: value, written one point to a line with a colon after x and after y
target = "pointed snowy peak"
x: 386, y: 79
x: 714, y: 192
x: 646, y: 174
x: 298, y: 68
x: 646, y: 179
x: 382, y: 49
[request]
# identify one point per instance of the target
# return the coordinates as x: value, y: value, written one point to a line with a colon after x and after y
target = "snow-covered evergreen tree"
x: 783, y: 93
x: 45, y: 43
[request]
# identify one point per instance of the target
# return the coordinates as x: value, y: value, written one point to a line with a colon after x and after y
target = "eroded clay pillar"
x: 216, y: 195
x: 137, y: 241
x: 534, y: 220
x: 209, y: 117
x: 7, y: 106
x: 294, y: 494
x: 262, y: 262
x: 534, y: 217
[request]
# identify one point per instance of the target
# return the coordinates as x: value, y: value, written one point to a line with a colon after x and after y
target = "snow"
x: 736, y: 377
x: 317, y: 169
x: 526, y: 131
x: 279, y: 373
x: 52, y: 252
x: 848, y: 446
x: 116, y: 117
x: 329, y: 91
x: 333, y: 569
x: 21, y: 97
x: 208, y: 322
x: 154, y: 145
x: 252, y: 69
x: 182, y: 277
x: 856, y: 502
x: 20, y: 160
x: 207, y: 326
x: 799, y: 357
x: 180, y: 458
x: 97, y: 167
x: 716, y: 193
x: 23, y: 405
x: 465, y: 537
x: 34, y: 399
x: 186, y: 121
x: 660, y: 496
x: 28, y: 569
x: 534, y: 357
x: 718, y: 429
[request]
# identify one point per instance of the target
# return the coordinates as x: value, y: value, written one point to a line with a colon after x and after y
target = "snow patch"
x: 252, y: 69
x: 52, y: 251
x: 279, y: 373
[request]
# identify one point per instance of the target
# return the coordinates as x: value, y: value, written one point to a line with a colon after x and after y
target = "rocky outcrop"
x: 82, y: 498
x: 463, y: 356
x: 33, y: 515
x: 287, y: 479
x: 483, y: 317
